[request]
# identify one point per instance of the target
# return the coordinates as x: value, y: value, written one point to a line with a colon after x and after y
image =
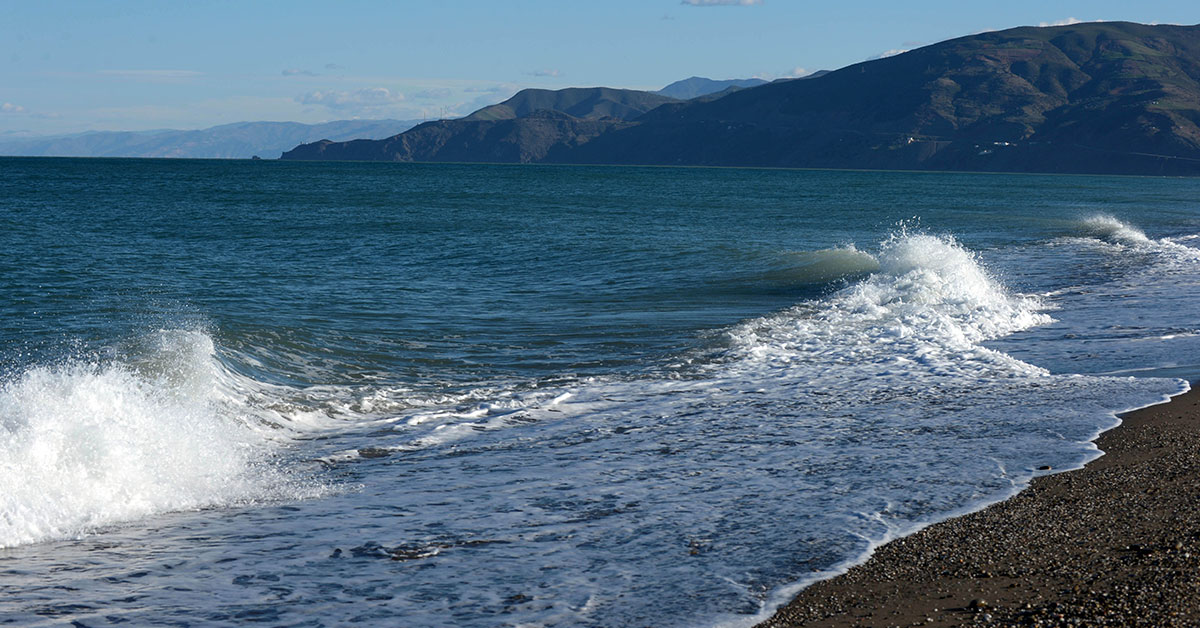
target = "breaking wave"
x: 85, y: 444
x: 1115, y: 232
x: 930, y: 302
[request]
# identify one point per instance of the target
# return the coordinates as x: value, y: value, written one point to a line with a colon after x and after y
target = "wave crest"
x: 825, y: 265
x: 931, y: 302
x: 84, y: 445
x: 1120, y: 237
x: 1111, y: 229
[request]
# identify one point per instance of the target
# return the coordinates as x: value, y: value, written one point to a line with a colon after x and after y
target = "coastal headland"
x: 1116, y: 543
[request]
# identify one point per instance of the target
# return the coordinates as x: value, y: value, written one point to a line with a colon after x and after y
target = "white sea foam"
x: 1112, y: 229
x: 1115, y: 232
x: 879, y: 389
x: 922, y: 314
x: 931, y: 302
x: 84, y: 445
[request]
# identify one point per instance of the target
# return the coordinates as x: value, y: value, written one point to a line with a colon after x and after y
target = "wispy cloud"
x: 367, y: 99
x: 1067, y: 22
x: 152, y: 75
x: 488, y: 95
x: 11, y: 108
x: 333, y: 66
x: 721, y: 3
x: 296, y: 72
x: 551, y: 73
x: 437, y: 93
x: 492, y: 89
x: 196, y: 114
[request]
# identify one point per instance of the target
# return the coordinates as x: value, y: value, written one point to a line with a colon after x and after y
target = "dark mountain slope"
x: 527, y: 127
x: 1112, y: 97
x: 539, y: 136
x: 588, y: 103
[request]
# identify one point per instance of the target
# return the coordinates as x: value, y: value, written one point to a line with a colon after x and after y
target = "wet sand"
x: 1116, y: 543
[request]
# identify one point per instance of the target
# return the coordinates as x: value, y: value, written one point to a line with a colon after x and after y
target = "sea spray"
x: 930, y: 302
x: 86, y: 444
x: 1122, y: 236
x: 1112, y: 229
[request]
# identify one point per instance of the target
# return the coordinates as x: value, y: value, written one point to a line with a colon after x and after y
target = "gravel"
x: 1116, y: 543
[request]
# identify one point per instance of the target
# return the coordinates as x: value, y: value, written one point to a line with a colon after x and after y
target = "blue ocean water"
x: 307, y: 394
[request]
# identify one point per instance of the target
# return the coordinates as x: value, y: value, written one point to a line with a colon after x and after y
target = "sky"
x: 68, y: 66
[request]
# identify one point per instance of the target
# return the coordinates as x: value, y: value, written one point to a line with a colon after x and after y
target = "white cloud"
x: 1067, y: 22
x: 551, y: 73
x: 296, y: 72
x: 888, y: 53
x: 11, y: 108
x: 718, y: 3
x: 366, y: 99
x: 796, y: 72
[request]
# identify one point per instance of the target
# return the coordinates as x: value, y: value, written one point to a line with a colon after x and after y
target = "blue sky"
x: 69, y: 66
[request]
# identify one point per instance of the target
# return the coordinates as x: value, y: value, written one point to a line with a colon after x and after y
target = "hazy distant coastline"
x: 240, y: 140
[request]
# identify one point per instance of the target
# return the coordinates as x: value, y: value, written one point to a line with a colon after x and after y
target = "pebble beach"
x: 1116, y: 543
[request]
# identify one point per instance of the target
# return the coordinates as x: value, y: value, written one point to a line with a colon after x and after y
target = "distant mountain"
x: 540, y: 136
x: 533, y: 125
x: 1109, y: 97
x: 697, y: 86
x: 1092, y: 98
x: 587, y: 103
x: 240, y: 140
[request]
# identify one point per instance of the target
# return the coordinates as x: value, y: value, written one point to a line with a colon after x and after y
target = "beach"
x: 1116, y: 543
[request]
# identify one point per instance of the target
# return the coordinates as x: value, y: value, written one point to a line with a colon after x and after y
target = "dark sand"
x: 1116, y: 543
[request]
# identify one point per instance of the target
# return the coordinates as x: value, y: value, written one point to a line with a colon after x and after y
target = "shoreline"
x: 1114, y: 543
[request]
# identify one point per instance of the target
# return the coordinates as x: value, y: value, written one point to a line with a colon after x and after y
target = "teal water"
x: 313, y: 394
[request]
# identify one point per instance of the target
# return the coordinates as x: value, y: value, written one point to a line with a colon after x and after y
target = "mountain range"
x: 528, y: 127
x: 1112, y: 97
x: 243, y: 140
x: 240, y: 140
x: 697, y: 86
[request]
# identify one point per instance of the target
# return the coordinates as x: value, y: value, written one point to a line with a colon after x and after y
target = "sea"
x: 326, y: 394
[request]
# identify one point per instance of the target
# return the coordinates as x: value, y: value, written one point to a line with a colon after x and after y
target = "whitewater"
x: 494, y: 396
